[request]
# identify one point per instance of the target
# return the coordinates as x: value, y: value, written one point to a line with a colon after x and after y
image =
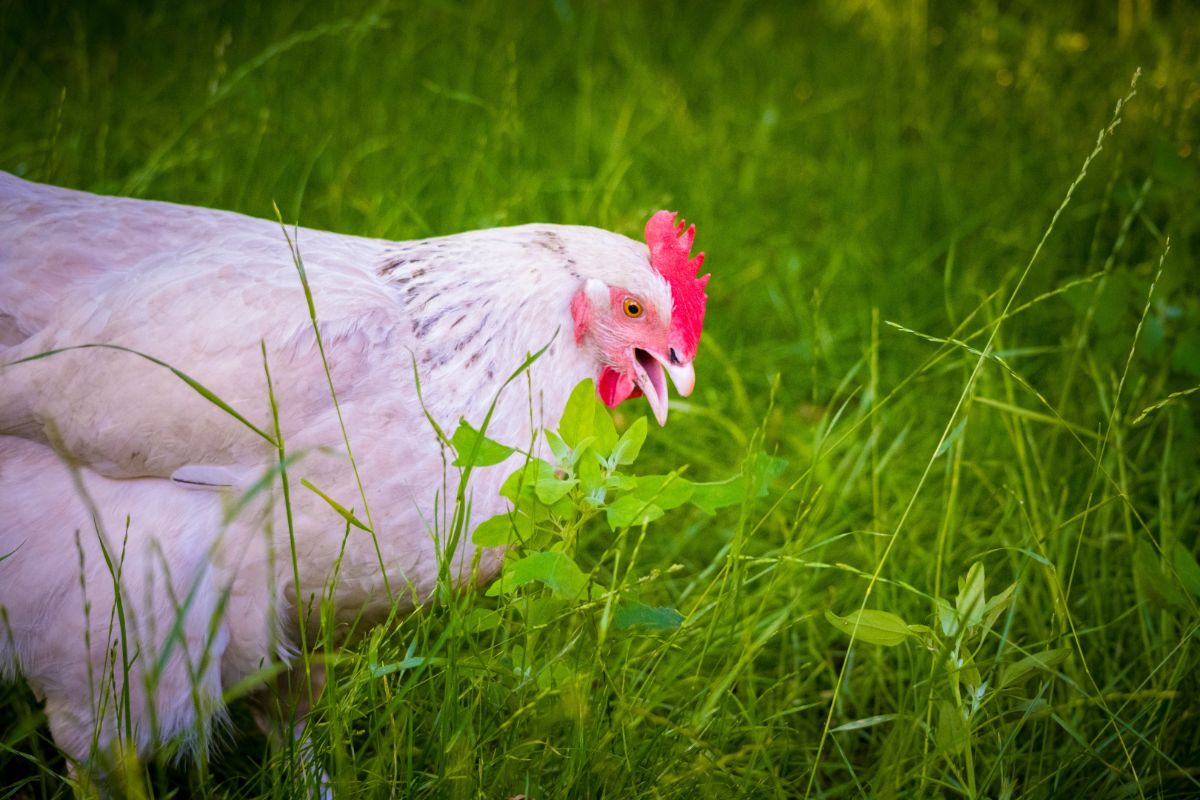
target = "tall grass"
x: 976, y: 575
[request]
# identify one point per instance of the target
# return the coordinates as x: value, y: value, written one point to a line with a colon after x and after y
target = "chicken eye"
x: 633, y: 309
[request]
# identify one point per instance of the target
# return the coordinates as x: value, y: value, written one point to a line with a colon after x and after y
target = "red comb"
x: 670, y: 253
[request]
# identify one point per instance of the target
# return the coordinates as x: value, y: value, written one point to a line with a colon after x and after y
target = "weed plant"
x: 929, y: 525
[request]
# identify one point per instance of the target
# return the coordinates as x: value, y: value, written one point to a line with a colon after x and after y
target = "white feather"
x: 208, y: 292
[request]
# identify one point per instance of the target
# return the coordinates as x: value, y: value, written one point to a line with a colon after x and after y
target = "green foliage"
x: 476, y: 450
x: 635, y: 614
x: 871, y: 626
x: 553, y: 503
x: 1046, y: 660
x: 554, y: 568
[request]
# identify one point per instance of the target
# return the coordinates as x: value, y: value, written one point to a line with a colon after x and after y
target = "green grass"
x: 950, y: 348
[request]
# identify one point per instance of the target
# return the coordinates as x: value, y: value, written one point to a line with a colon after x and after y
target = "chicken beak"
x: 648, y: 375
x: 683, y: 376
x: 649, y: 369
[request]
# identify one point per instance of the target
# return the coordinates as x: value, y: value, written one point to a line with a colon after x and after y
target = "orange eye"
x: 633, y: 309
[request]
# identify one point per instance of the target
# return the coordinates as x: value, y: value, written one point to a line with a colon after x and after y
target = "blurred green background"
x: 848, y: 165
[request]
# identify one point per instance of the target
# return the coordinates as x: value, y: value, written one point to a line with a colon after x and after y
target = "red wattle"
x: 615, y: 388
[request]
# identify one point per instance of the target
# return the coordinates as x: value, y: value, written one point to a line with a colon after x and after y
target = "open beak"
x: 650, y: 375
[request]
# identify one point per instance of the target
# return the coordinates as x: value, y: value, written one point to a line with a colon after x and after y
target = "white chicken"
x: 128, y: 599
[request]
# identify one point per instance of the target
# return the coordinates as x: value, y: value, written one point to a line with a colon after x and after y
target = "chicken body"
x: 213, y: 597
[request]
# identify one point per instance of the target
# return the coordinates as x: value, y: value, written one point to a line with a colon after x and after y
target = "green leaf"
x: 971, y: 600
x: 996, y: 606
x: 582, y: 448
x: 865, y: 722
x: 766, y: 469
x: 947, y: 617
x: 871, y: 626
x: 953, y: 735
x: 543, y: 610
x: 604, y: 430
x: 578, y: 418
x: 555, y: 569
x: 1034, y: 706
x: 520, y: 485
x: 1186, y: 568
x: 412, y: 662
x: 476, y: 450
x: 708, y: 497
x: 621, y: 483
x: 635, y: 614
x: 665, y: 491
x: 1038, y: 557
x: 631, y: 510
x: 503, y: 529
x: 562, y: 451
x: 630, y: 443
x: 592, y: 481
x: 1045, y: 660
x: 566, y: 510
x: 551, y: 490
x: 555, y: 675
